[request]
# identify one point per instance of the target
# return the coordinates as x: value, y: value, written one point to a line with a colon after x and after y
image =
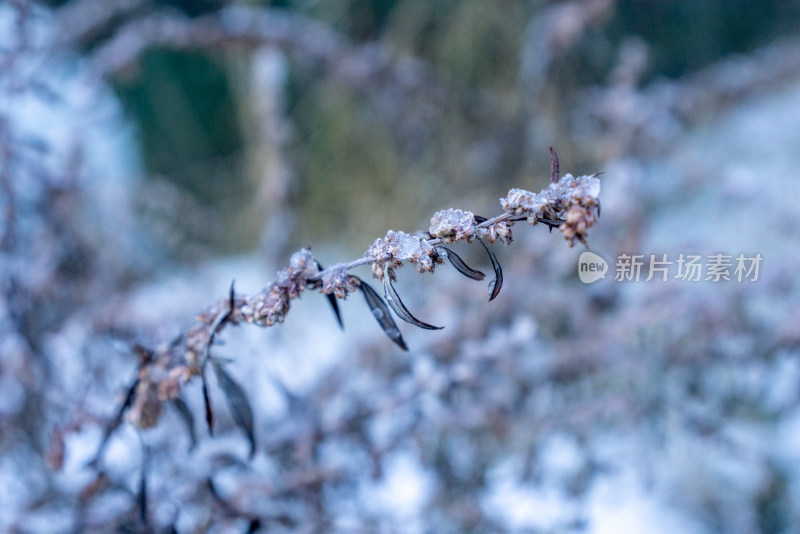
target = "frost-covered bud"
x: 380, y: 251
x: 270, y: 306
x: 292, y: 279
x: 453, y: 225
x: 290, y: 282
x: 426, y: 261
x: 500, y: 230
x: 304, y: 264
x: 548, y: 208
x: 518, y: 201
x: 397, y: 247
x: 586, y: 191
x: 338, y: 282
x: 577, y: 221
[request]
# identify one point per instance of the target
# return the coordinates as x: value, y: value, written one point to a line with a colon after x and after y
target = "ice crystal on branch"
x: 390, y: 252
x: 338, y: 283
x: 453, y: 225
x: 500, y: 230
x: 570, y: 203
x: 519, y: 201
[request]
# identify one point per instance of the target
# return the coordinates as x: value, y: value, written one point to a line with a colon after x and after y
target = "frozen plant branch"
x: 569, y: 204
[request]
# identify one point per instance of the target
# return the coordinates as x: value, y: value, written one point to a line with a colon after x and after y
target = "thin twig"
x: 570, y: 204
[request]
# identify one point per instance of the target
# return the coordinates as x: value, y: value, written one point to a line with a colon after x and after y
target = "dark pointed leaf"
x: 237, y: 402
x: 114, y: 423
x: 207, y: 401
x: 335, y: 305
x: 460, y: 266
x: 551, y: 223
x: 554, y: 174
x: 145, y: 357
x: 187, y: 418
x: 393, y: 299
x: 479, y: 219
x: 497, y: 283
x: 332, y: 301
x: 141, y: 497
x: 381, y: 313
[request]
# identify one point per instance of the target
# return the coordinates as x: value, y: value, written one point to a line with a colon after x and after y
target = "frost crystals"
x: 569, y: 204
x: 397, y: 247
x: 453, y: 225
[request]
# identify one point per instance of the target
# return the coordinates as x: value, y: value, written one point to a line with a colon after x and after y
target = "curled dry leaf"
x: 397, y: 305
x: 497, y: 282
x: 332, y: 296
x: 188, y: 419
x: 112, y: 425
x: 141, y: 494
x: 207, y: 403
x: 237, y: 403
x: 381, y: 313
x: 335, y: 306
x: 459, y: 265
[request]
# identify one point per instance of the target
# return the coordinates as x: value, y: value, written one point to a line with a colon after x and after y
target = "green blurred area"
x: 186, y: 114
x: 353, y: 168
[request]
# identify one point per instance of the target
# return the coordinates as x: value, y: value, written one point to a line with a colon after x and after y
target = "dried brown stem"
x: 571, y: 204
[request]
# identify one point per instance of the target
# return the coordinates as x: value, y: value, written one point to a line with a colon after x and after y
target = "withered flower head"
x: 338, y: 283
x: 397, y: 247
x: 453, y: 225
